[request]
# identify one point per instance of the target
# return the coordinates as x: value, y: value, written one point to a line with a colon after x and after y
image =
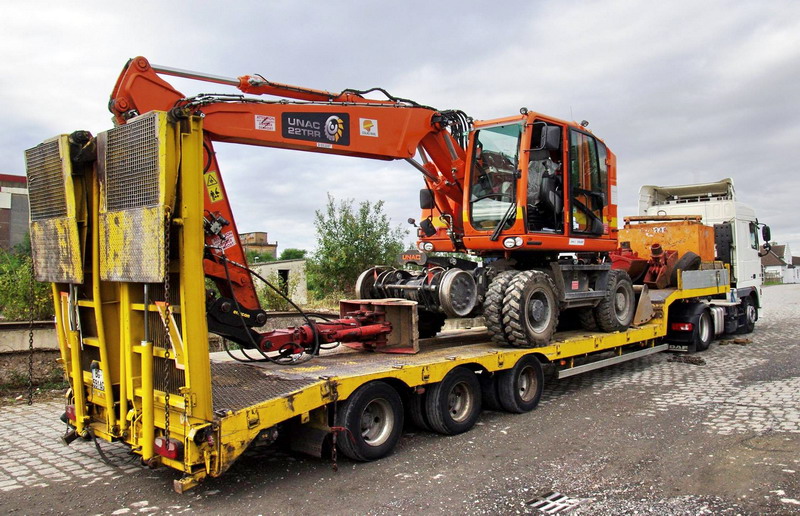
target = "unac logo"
x: 334, y: 128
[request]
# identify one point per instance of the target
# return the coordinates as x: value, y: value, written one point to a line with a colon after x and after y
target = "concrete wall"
x: 14, y: 337
x: 294, y: 271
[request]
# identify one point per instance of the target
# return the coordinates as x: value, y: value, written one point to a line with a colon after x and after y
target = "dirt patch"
x: 48, y: 376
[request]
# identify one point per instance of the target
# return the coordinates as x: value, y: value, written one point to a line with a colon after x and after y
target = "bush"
x: 16, y: 301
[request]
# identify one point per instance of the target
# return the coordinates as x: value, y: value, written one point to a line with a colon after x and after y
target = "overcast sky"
x: 681, y: 91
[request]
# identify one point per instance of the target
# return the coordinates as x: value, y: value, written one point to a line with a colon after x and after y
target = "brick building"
x: 13, y: 210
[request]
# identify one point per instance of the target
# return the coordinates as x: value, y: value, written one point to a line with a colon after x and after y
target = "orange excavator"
x: 534, y: 197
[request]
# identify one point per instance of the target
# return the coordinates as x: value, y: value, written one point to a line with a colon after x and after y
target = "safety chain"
x: 168, y: 347
x: 32, y: 302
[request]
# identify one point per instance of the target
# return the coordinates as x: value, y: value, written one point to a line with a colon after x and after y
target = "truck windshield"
x: 494, y: 173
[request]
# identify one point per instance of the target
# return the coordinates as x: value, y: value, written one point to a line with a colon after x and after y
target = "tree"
x: 15, y: 286
x: 254, y: 257
x: 291, y: 253
x: 349, y: 241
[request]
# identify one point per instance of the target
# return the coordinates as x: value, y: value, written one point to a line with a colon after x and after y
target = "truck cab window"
x: 494, y: 175
x: 754, y: 235
x: 588, y: 178
x: 545, y: 197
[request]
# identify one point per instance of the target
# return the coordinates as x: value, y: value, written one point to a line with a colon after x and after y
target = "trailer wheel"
x: 530, y: 310
x: 750, y: 314
x: 372, y: 418
x: 704, y: 332
x: 615, y: 311
x: 586, y: 319
x: 520, y: 387
x: 416, y: 411
x: 453, y: 405
x: 493, y: 307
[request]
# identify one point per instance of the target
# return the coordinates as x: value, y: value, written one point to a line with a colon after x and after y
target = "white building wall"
x: 293, y: 271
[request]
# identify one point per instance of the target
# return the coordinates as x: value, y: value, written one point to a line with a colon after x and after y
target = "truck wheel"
x: 493, y: 307
x: 615, y: 311
x: 704, y: 332
x: 530, y: 310
x: 520, y: 387
x: 750, y: 314
x: 688, y: 262
x: 453, y: 405
x: 416, y: 411
x: 586, y: 319
x: 429, y: 323
x: 372, y: 418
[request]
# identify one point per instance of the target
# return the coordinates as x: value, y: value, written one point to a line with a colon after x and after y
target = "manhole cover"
x: 553, y: 503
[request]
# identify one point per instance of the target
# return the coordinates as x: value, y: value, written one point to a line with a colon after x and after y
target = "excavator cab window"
x: 588, y: 179
x: 494, y: 175
x: 545, y: 198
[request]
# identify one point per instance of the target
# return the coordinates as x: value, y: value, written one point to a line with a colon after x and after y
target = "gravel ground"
x: 651, y: 436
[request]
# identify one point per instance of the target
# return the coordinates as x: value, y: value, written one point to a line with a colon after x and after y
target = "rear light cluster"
x: 168, y: 448
x: 70, y: 412
x: 682, y: 326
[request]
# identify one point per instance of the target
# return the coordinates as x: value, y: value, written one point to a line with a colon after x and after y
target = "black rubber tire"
x: 416, y: 411
x: 586, y: 319
x: 493, y: 307
x: 429, y: 323
x: 530, y: 310
x: 490, y: 399
x: 379, y: 403
x: 615, y: 312
x: 703, y: 332
x: 453, y: 405
x: 520, y: 388
x: 749, y: 315
x: 689, y: 261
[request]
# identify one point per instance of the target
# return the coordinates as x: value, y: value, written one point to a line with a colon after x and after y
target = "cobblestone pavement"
x: 622, y: 439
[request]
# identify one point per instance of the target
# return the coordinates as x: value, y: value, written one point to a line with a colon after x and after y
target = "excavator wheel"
x: 493, y: 307
x: 530, y: 310
x: 615, y: 312
x: 586, y: 319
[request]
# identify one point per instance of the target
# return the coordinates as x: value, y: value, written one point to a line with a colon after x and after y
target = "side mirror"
x: 426, y: 199
x: 545, y: 137
x: 427, y: 227
x: 766, y: 234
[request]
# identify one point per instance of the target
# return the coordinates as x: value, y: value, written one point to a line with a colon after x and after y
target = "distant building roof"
x: 10, y: 178
x: 796, y: 260
x: 773, y: 260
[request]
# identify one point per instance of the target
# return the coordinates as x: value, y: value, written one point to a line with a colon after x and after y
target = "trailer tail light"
x: 70, y: 412
x: 682, y: 326
x: 168, y: 448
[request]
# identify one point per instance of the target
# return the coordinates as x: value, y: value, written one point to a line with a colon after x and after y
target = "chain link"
x: 167, y: 354
x: 31, y: 309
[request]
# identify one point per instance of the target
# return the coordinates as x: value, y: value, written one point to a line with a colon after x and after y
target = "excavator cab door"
x: 588, y: 181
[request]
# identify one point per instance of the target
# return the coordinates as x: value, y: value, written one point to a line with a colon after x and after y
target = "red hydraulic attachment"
x: 369, y: 328
x: 660, y: 267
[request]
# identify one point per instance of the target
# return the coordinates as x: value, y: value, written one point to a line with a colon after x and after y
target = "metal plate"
x: 53, y: 227
x: 132, y: 245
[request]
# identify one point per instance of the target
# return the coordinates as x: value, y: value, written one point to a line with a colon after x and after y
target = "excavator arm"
x: 345, y: 123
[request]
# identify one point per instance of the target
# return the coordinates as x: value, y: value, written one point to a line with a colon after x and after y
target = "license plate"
x: 97, y: 379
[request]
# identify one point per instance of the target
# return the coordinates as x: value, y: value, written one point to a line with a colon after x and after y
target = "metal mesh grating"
x: 236, y: 386
x: 132, y: 164
x: 46, y: 181
x: 177, y: 377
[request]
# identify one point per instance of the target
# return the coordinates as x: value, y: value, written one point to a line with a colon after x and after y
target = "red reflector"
x: 682, y: 326
x: 169, y: 448
x: 71, y: 413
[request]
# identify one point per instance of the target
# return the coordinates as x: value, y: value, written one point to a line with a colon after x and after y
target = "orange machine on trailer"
x: 517, y: 191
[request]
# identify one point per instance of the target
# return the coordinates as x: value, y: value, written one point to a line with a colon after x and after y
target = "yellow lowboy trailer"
x: 134, y: 339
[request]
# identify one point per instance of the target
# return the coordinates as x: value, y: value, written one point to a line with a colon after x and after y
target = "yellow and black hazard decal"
x: 212, y: 187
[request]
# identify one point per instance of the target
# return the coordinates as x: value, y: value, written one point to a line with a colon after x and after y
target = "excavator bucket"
x: 644, y: 306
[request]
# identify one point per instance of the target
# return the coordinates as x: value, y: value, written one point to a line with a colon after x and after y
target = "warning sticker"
x: 265, y: 123
x: 212, y: 187
x: 224, y: 241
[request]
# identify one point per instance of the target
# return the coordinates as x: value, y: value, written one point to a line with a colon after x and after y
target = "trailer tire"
x: 520, y: 388
x: 493, y: 307
x: 703, y: 332
x: 615, y: 311
x: 530, y: 310
x: 416, y: 411
x: 453, y: 405
x: 372, y: 419
x: 688, y: 262
x: 750, y: 315
x: 586, y: 319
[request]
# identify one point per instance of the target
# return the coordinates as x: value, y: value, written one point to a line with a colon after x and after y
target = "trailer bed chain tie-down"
x: 32, y: 293
x: 167, y: 369
x: 336, y: 429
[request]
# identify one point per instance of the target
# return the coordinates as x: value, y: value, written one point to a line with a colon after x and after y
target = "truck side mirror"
x: 766, y: 234
x: 427, y: 227
x: 426, y: 199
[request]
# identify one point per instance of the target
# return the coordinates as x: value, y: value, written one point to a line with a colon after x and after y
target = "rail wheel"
x: 372, y: 418
x: 530, y: 310
x: 493, y: 307
x: 429, y: 323
x: 453, y: 405
x: 520, y: 387
x: 615, y: 311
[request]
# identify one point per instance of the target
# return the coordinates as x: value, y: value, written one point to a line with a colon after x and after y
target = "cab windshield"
x: 494, y: 174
